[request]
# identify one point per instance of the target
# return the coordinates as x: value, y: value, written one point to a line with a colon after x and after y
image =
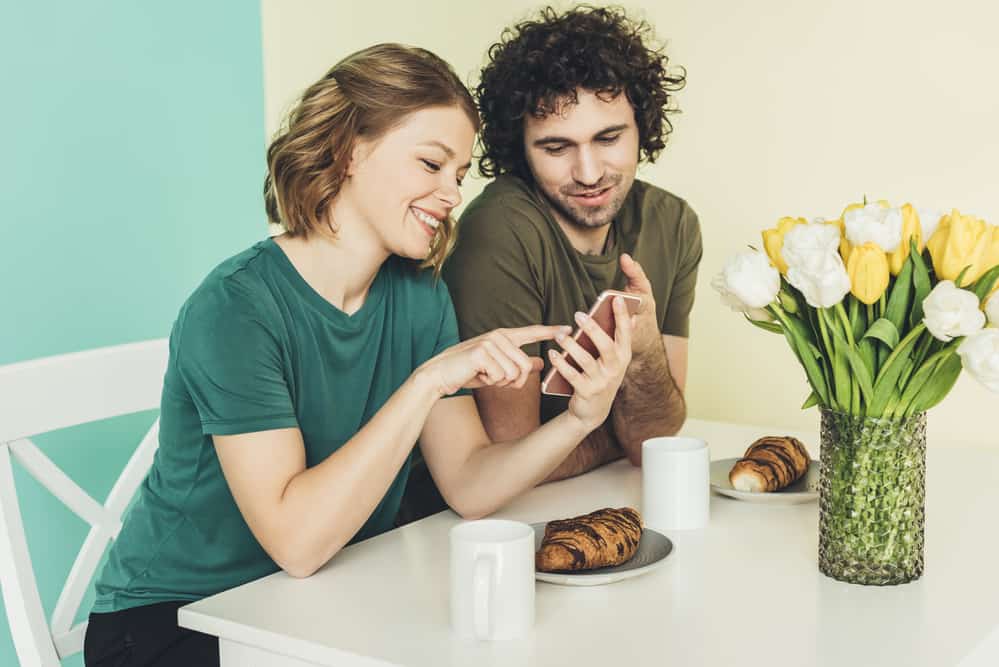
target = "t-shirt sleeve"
x: 494, y: 274
x: 231, y: 363
x: 681, y: 299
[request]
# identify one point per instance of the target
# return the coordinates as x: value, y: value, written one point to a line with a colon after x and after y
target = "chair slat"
x: 61, y: 485
x: 48, y: 394
x: 20, y: 591
x: 71, y: 642
x: 80, y: 576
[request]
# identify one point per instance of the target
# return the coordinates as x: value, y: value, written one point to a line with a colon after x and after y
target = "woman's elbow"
x: 468, y: 509
x: 298, y: 561
x: 296, y: 566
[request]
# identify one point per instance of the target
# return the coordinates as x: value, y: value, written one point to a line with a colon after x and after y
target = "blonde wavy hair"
x: 364, y: 95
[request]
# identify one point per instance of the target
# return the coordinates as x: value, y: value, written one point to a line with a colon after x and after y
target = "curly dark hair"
x: 539, y: 64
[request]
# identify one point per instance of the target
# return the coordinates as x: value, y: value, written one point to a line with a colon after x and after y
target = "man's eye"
x: 432, y: 166
x: 554, y: 150
x: 609, y: 140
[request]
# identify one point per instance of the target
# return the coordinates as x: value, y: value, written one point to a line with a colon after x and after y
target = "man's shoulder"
x: 507, y: 210
x: 508, y: 198
x: 653, y: 201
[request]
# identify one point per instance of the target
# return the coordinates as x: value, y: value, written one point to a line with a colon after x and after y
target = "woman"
x: 303, y: 370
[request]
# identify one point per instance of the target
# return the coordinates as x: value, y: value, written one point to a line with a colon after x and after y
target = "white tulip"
x: 980, y: 357
x: 874, y: 223
x: 992, y: 309
x: 748, y: 283
x: 929, y: 220
x: 950, y: 312
x: 806, y: 246
x: 824, y: 282
x: 814, y: 266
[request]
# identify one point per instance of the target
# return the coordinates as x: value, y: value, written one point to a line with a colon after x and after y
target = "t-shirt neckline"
x: 335, y: 315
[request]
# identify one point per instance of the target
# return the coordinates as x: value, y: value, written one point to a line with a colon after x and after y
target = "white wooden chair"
x: 44, y: 395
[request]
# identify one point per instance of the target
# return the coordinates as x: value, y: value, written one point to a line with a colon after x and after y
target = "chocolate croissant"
x: 770, y: 464
x: 598, y: 539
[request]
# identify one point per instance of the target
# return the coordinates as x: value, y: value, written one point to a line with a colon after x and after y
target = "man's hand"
x: 645, y: 337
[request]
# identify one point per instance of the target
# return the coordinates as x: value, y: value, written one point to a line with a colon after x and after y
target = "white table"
x: 744, y: 591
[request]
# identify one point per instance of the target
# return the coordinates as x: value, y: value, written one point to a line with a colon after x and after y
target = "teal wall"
x: 132, y: 162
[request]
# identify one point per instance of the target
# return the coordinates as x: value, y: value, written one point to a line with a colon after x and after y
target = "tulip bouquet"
x: 882, y: 307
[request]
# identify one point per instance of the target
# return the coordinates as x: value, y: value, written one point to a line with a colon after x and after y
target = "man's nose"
x: 587, y: 169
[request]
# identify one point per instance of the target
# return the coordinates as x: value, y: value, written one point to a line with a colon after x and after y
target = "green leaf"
x: 858, y: 319
x: 885, y: 331
x: 925, y: 372
x: 884, y: 386
x: 846, y: 357
x: 934, y: 391
x: 798, y: 336
x: 901, y: 293
x: 772, y: 327
x: 921, y: 282
x: 986, y: 283
x: 960, y: 277
x: 813, y: 399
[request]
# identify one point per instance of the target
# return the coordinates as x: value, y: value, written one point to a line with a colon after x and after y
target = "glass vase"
x: 871, y: 500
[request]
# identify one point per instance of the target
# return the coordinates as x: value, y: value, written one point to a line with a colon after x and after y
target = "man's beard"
x: 586, y: 217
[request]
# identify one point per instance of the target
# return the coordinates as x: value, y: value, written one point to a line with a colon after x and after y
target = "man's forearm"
x: 597, y: 449
x: 649, y: 403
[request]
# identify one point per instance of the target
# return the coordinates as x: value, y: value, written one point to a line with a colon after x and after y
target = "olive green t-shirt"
x: 256, y: 348
x: 514, y: 266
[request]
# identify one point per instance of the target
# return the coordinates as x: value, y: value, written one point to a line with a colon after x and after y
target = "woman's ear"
x: 358, y: 154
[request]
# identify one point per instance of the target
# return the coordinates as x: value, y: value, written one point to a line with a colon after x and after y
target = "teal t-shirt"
x: 256, y: 348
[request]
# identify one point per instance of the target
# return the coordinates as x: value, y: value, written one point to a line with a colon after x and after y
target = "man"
x: 570, y: 103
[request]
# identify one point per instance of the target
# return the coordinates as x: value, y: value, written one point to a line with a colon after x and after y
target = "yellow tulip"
x: 960, y: 241
x: 868, y: 270
x: 911, y: 228
x: 990, y: 256
x: 773, y: 241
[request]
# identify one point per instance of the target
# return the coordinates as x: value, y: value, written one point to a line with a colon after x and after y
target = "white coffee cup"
x: 676, y: 484
x: 492, y: 579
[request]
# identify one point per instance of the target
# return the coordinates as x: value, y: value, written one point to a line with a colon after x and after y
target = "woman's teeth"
x: 431, y: 221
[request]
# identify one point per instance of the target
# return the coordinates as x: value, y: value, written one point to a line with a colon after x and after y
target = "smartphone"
x: 602, y: 313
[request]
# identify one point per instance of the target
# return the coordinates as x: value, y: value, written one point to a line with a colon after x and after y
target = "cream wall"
x: 791, y: 107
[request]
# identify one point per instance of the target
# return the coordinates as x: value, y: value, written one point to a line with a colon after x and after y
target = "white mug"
x: 492, y: 579
x: 676, y: 486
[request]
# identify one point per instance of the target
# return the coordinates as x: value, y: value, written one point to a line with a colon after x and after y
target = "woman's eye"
x: 609, y: 140
x: 430, y: 165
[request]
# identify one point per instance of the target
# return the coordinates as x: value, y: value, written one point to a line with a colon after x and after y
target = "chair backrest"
x: 44, y: 395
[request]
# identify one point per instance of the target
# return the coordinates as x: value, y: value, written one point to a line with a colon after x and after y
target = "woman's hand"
x: 596, y: 383
x: 492, y: 359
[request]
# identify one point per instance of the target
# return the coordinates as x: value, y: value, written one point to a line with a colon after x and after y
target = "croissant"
x: 598, y: 539
x: 770, y: 464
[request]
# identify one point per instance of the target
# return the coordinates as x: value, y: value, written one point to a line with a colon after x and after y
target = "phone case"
x: 602, y: 313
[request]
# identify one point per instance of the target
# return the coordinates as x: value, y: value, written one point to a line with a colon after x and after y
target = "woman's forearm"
x: 495, y: 474
x: 324, y: 506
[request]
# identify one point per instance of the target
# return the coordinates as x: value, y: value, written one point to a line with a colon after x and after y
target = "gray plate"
x: 653, y: 547
x: 804, y: 490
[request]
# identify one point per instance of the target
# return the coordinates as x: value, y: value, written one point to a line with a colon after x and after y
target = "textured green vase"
x: 871, y: 501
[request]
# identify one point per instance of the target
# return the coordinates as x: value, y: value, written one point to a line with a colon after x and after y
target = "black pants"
x: 147, y: 635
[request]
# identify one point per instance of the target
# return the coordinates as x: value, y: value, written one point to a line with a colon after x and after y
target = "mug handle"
x: 482, y: 585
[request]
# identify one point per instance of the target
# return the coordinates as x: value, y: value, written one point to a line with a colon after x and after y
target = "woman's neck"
x: 340, y: 271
